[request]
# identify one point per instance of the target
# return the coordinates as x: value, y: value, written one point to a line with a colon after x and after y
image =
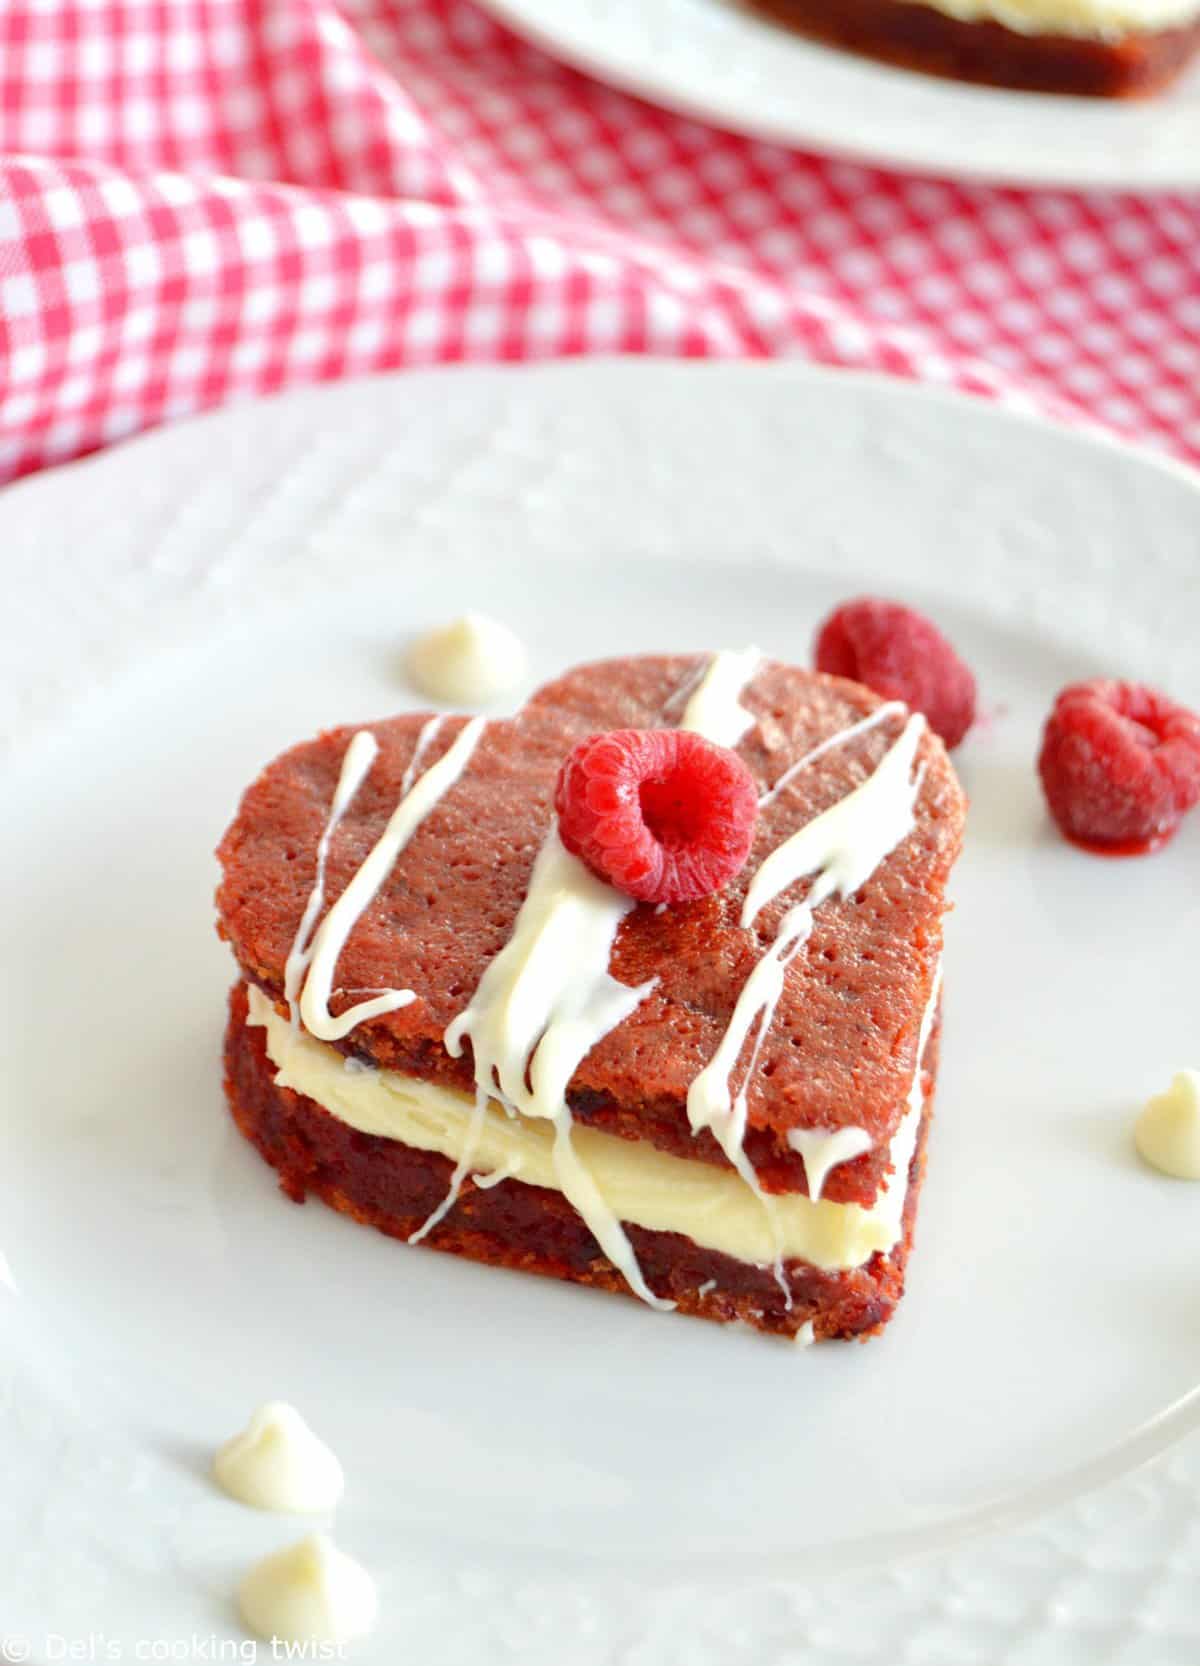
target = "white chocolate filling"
x: 1087, y: 19
x: 640, y: 1185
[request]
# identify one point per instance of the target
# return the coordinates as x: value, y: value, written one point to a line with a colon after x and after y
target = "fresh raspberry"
x: 1119, y: 764
x: 662, y: 814
x: 903, y: 656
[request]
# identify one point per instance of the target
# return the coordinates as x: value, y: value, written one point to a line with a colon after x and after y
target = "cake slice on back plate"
x: 1099, y: 48
x: 450, y: 1028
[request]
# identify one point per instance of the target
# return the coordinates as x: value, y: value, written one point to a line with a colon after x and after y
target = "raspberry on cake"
x: 1097, y: 48
x: 451, y: 1028
x: 662, y: 814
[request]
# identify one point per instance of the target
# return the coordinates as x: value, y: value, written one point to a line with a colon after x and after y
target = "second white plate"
x: 713, y: 60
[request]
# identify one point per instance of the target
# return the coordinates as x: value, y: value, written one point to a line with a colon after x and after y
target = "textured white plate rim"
x: 1153, y: 1436
x: 1003, y: 1515
x: 875, y: 383
x: 944, y: 139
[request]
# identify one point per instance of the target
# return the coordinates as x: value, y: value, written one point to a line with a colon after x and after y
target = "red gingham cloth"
x: 206, y: 199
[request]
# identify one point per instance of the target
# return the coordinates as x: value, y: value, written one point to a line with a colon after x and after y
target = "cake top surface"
x: 842, y: 1048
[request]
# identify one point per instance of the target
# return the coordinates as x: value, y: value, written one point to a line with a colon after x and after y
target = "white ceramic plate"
x: 185, y: 606
x: 713, y: 60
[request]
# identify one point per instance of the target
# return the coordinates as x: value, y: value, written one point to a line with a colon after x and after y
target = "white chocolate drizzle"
x: 839, y: 849
x: 430, y: 730
x: 356, y: 765
x: 510, y: 1170
x: 714, y: 709
x: 821, y: 1150
x: 891, y: 708
x: 415, y: 804
x: 547, y: 998
x: 889, y: 1204
x: 461, y: 1170
x: 542, y: 1004
x: 731, y: 1131
x: 844, y: 845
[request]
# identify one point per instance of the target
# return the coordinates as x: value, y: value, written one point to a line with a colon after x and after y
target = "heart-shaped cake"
x: 450, y: 1028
